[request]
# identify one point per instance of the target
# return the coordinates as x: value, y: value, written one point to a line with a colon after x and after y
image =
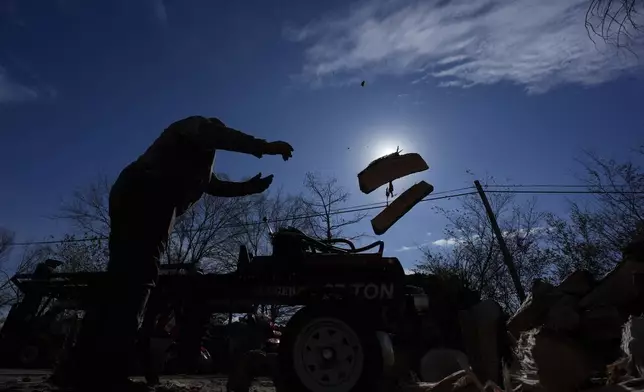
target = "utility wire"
x: 557, y: 192
x: 547, y: 186
x: 384, y: 203
x: 372, y: 206
x: 533, y: 186
x: 348, y: 210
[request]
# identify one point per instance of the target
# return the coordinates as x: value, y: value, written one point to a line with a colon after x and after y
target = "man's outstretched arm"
x: 214, y: 134
x: 217, y: 187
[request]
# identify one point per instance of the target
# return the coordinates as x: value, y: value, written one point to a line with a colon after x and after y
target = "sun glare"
x: 387, y: 140
x: 384, y: 147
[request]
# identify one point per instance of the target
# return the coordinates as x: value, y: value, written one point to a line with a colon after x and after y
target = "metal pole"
x: 507, y: 257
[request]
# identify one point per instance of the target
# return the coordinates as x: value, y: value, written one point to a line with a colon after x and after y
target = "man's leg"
x: 139, y: 234
x: 149, y: 332
x: 192, y: 328
x: 141, y: 219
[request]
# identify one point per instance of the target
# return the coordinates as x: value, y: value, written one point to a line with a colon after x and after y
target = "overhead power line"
x: 466, y: 191
x: 545, y: 186
x: 558, y: 192
x: 384, y: 203
x: 347, y: 210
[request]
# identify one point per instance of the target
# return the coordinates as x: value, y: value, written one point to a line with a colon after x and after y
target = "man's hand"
x: 279, y: 148
x: 257, y: 184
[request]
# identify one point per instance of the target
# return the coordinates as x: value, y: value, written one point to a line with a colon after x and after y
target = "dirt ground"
x: 16, y: 380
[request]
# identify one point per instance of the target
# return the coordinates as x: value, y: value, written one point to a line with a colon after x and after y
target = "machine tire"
x: 351, y: 352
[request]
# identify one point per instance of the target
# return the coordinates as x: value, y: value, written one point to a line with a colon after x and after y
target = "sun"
x: 384, y: 141
x: 384, y: 147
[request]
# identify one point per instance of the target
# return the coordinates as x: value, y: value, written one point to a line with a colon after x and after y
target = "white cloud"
x: 408, y: 271
x: 11, y: 91
x: 446, y: 242
x: 439, y: 242
x: 522, y: 232
x: 415, y: 247
x: 537, y: 44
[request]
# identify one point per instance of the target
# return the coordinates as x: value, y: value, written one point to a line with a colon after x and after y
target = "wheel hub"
x: 328, y: 356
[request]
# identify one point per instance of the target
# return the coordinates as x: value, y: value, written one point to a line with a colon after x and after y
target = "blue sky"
x: 514, y: 89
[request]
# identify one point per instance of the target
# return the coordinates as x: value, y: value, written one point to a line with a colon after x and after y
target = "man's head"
x: 216, y: 121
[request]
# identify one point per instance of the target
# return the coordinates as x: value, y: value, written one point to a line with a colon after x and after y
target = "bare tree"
x: 6, y: 241
x: 207, y: 233
x: 615, y: 21
x: 471, y: 251
x: 255, y: 231
x: 578, y: 245
x: 280, y: 210
x: 9, y: 293
x: 324, y: 197
x: 203, y: 234
x: 595, y: 233
x: 81, y: 254
x: 525, y: 233
x: 619, y: 201
x: 88, y: 208
x: 31, y: 255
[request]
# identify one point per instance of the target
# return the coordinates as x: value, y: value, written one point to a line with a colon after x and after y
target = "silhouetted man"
x: 144, y: 201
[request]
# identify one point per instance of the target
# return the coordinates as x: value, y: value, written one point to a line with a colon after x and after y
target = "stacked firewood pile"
x: 584, y: 334
x: 581, y: 335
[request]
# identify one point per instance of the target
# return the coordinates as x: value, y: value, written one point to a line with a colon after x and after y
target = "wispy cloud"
x: 12, y: 91
x: 462, y: 43
x: 522, y: 232
x: 446, y: 242
x: 414, y: 247
x: 439, y: 242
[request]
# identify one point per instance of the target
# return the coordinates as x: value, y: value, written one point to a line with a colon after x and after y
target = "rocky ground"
x: 12, y: 380
x: 35, y: 381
